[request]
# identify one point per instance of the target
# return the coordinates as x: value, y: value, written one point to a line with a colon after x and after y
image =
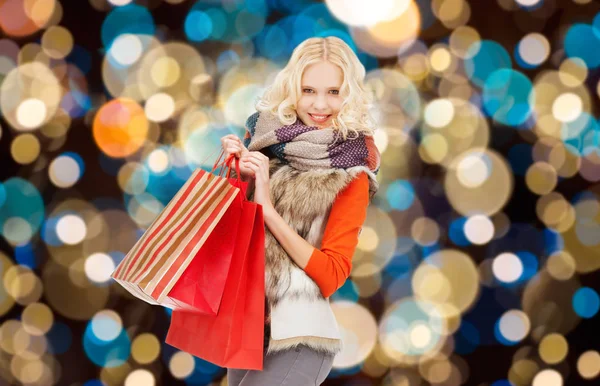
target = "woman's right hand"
x: 233, y: 145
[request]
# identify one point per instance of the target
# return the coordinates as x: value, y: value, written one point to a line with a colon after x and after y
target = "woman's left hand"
x: 258, y: 163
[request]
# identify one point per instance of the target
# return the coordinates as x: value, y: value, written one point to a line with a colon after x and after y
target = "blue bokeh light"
x: 586, y: 302
x: 508, y: 97
x: 484, y: 58
x: 400, y: 194
x: 131, y: 18
x: 578, y: 40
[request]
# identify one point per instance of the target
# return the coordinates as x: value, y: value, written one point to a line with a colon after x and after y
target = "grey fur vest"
x: 298, y: 312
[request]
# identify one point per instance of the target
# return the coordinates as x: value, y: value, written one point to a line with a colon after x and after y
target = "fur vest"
x: 299, y: 314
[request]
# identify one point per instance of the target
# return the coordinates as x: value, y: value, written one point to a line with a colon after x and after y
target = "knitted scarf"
x: 308, y: 147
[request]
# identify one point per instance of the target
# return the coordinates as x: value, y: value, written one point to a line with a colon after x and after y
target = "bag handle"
x: 227, y: 162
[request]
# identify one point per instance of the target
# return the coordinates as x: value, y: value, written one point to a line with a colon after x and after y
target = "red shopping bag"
x: 198, y: 226
x: 234, y: 337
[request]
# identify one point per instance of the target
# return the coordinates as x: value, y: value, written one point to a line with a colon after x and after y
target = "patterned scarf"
x: 308, y: 147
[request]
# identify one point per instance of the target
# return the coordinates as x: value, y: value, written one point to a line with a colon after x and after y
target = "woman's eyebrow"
x: 304, y: 86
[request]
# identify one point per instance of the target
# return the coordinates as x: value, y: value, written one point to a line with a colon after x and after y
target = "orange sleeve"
x: 330, y: 266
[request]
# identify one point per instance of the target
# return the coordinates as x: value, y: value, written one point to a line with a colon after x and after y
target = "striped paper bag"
x: 159, y: 258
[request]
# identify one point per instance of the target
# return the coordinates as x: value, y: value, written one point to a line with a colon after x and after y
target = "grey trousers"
x: 301, y: 366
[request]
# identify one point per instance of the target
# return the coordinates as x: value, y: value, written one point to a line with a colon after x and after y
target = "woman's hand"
x: 258, y: 164
x: 233, y: 145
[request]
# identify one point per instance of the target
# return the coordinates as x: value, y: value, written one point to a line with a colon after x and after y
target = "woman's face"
x: 320, y: 100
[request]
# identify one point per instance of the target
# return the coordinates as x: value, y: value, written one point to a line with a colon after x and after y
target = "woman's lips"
x: 319, y: 118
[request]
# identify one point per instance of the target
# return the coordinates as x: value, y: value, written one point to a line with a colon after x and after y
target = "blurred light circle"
x: 479, y: 229
x: 17, y: 231
x: 6, y: 301
x: 514, y: 325
x: 420, y: 335
x: 106, y: 325
x: 561, y: 265
x: 64, y: 171
x: 140, y: 377
x: 586, y: 302
x: 588, y: 364
x: 392, y: 36
x: 507, y: 267
x: 483, y: 58
x: 502, y: 86
x: 578, y: 40
x: 573, y: 72
x: 242, y: 96
x: 400, y: 194
x: 361, y: 13
x: 397, y: 326
x: 359, y: 333
x: 57, y: 42
x: 567, y: 107
x: 440, y: 59
x: 22, y: 200
x: 133, y: 178
x: 71, y: 229
x: 198, y: 26
x: 103, y: 353
x: 37, y: 319
x: 126, y: 49
x: 31, y: 113
x: 488, y: 197
x: 425, y: 231
x: 23, y: 92
x: 528, y: 3
x: 22, y: 18
x: 541, y: 178
x: 119, y: 2
x: 145, y: 348
x: 462, y: 42
x: 120, y: 127
x: 25, y: 148
x: 448, y: 279
x: 181, y: 365
x: 158, y: 161
x: 22, y: 285
x: 99, y: 267
x: 433, y: 148
x: 131, y: 18
x: 553, y: 348
x: 547, y: 377
x: 439, y: 113
x: 376, y: 246
x: 159, y: 107
x: 79, y: 300
x: 112, y: 376
x: 472, y: 171
x: 534, y: 49
x: 165, y: 72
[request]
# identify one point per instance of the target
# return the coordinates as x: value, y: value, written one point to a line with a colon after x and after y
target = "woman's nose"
x: 320, y: 102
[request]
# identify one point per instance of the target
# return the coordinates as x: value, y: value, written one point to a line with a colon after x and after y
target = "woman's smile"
x: 319, y: 118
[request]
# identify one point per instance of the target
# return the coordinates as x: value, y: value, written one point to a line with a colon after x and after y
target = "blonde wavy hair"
x: 281, y: 97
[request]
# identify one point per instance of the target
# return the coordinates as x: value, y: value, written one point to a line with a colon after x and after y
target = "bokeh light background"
x: 477, y: 265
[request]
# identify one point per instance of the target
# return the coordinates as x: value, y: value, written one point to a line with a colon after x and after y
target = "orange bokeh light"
x: 120, y: 127
x: 25, y: 17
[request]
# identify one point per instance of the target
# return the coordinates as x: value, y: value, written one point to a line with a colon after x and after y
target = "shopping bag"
x: 234, y: 337
x: 203, y: 282
x: 177, y: 236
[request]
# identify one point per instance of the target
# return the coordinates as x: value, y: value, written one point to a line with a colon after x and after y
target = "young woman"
x: 311, y: 162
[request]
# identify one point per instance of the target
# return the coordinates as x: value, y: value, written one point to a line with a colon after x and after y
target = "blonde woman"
x: 311, y: 162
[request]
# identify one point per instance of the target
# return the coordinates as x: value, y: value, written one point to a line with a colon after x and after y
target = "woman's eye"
x: 336, y: 92
x: 307, y: 90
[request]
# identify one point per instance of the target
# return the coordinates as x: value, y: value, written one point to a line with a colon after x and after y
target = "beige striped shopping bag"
x: 160, y: 257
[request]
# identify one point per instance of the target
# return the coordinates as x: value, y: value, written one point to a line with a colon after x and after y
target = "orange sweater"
x: 330, y: 266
